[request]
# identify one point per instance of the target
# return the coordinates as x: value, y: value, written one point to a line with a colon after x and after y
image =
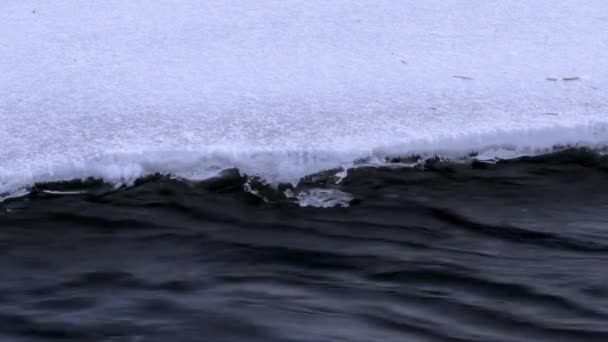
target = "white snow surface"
x: 282, y: 88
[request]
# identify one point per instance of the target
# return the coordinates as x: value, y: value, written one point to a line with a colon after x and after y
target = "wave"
x: 337, y: 187
x: 276, y: 166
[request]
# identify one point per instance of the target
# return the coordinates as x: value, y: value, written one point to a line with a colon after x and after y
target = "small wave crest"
x: 342, y: 187
x: 275, y: 166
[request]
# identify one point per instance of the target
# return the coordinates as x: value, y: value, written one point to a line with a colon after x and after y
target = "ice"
x: 117, y: 89
x: 324, y: 198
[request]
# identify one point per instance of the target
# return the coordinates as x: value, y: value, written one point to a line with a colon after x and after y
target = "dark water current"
x: 509, y: 251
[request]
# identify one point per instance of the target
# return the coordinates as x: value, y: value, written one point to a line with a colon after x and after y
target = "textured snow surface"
x: 283, y: 88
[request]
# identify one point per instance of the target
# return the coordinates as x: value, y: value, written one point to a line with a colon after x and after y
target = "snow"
x: 118, y: 89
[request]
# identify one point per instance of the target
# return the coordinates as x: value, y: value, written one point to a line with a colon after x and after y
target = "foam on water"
x: 281, y: 89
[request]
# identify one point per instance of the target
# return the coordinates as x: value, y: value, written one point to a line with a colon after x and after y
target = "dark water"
x: 512, y: 251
